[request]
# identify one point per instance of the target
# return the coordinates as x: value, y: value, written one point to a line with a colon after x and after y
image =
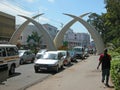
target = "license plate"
x: 44, y: 68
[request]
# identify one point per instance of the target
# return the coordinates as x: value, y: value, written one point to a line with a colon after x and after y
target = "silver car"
x: 66, y: 56
x: 26, y: 56
x: 51, y: 60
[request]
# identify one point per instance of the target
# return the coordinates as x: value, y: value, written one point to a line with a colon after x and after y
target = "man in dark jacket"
x: 105, y: 61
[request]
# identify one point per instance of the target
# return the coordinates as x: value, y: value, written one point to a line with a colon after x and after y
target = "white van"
x: 9, y: 54
x: 79, y: 52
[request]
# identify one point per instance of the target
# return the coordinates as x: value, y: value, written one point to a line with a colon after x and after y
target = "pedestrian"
x: 105, y: 61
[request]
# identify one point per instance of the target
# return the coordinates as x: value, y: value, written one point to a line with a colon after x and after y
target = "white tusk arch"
x: 17, y: 33
x: 60, y: 35
x: 95, y: 35
x: 42, y: 30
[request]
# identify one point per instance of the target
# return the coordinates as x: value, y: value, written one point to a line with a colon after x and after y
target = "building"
x: 31, y: 28
x: 52, y: 30
x: 27, y: 32
x: 84, y: 39
x: 77, y: 39
x: 7, y: 27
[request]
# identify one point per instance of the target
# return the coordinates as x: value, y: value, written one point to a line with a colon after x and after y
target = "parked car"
x: 40, y: 53
x: 51, y: 60
x: 26, y: 56
x: 66, y: 56
x: 79, y: 52
x: 72, y: 55
x: 86, y: 52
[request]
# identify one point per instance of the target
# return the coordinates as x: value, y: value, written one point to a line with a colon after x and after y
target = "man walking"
x: 105, y: 61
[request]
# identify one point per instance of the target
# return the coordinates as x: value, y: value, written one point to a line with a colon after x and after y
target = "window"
x: 12, y: 51
x: 2, y: 52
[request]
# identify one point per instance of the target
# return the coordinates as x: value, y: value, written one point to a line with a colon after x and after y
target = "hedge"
x: 115, y: 71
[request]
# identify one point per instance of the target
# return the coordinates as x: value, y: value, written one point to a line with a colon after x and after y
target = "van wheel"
x: 12, y: 70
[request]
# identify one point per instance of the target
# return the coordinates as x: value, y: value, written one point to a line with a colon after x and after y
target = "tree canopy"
x: 108, y: 24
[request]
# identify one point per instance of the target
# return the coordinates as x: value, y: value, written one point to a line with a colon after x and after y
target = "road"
x: 25, y: 77
x: 81, y: 76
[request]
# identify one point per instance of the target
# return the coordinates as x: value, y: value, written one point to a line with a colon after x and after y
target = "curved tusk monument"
x: 95, y: 35
x: 60, y: 35
x: 17, y: 33
x: 42, y: 30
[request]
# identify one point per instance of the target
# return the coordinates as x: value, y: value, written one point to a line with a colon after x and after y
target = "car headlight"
x: 55, y: 64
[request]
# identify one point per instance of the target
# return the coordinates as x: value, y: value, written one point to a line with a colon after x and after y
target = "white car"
x: 66, y: 56
x: 51, y: 60
x: 26, y: 56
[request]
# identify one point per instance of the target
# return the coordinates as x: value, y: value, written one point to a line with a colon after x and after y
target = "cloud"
x: 13, y: 10
x: 44, y: 19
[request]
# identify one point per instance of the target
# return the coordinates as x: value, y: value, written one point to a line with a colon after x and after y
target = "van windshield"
x: 77, y: 49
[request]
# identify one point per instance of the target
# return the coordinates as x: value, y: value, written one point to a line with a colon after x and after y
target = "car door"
x: 26, y: 56
x: 31, y: 55
x: 61, y: 60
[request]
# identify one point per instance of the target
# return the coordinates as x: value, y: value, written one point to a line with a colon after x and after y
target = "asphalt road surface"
x: 23, y: 78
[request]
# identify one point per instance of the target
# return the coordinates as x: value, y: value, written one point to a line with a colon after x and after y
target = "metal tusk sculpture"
x: 95, y: 35
x: 46, y: 35
x: 17, y: 33
x: 58, y: 40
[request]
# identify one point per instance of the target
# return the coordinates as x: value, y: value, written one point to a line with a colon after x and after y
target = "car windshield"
x: 21, y: 52
x: 49, y: 56
x: 42, y: 51
x: 71, y: 53
x: 39, y: 56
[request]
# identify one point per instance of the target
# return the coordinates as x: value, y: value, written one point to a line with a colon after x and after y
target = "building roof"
x: 7, y: 15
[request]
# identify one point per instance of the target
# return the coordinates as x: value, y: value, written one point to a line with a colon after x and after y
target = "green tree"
x: 108, y: 24
x: 113, y: 20
x: 34, y: 40
x: 98, y: 22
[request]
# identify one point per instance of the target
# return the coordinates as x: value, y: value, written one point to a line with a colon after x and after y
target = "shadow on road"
x: 50, y: 72
x: 15, y: 74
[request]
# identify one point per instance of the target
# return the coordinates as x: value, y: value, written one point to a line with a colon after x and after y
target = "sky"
x: 53, y: 11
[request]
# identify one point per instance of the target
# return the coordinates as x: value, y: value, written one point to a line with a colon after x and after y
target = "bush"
x: 114, y: 54
x: 117, y: 50
x: 115, y: 71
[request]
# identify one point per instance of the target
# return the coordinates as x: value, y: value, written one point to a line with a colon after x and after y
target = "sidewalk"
x: 81, y: 76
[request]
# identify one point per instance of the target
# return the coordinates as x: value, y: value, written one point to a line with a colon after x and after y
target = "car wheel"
x: 36, y: 70
x: 57, y: 69
x: 62, y: 67
x: 32, y: 61
x: 12, y: 69
x: 65, y: 62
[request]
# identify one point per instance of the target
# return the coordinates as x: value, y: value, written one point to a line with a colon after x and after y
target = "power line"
x: 11, y: 7
x: 18, y: 4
